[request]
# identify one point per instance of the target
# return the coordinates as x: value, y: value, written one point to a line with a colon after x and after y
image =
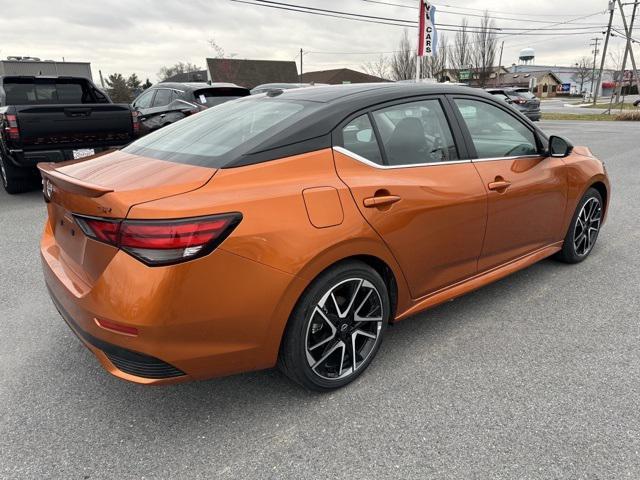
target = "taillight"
x: 519, y: 101
x: 11, y: 126
x: 162, y: 242
x: 194, y: 110
x: 135, y: 121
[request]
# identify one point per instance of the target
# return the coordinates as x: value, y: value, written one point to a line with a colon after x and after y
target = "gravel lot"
x: 536, y: 376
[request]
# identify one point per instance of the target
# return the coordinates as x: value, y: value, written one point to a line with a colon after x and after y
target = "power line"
x: 407, y: 23
x: 467, y: 14
x: 357, y: 15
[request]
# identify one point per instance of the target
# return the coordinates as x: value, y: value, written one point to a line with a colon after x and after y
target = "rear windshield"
x: 522, y: 93
x: 211, y: 97
x: 219, y: 135
x: 48, y: 91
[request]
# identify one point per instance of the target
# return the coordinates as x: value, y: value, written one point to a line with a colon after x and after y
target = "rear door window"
x: 162, y: 98
x: 416, y: 133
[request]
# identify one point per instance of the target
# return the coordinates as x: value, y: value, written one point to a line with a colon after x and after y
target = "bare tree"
x: 436, y: 66
x: 216, y: 48
x: 484, y: 52
x: 180, y: 67
x: 379, y: 67
x: 584, y: 72
x: 403, y: 61
x: 461, y: 53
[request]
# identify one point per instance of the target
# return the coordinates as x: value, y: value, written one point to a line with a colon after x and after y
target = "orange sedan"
x: 292, y: 227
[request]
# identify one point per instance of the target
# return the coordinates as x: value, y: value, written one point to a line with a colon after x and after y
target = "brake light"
x: 519, y: 101
x: 11, y: 126
x: 194, y: 110
x: 135, y: 121
x: 103, y: 230
x: 162, y: 242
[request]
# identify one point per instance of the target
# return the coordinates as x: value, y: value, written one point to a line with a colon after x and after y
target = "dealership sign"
x: 428, y: 37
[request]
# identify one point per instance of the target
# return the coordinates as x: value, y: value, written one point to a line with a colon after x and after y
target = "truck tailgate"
x: 74, y: 126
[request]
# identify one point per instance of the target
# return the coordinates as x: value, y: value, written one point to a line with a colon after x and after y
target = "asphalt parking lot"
x: 536, y: 376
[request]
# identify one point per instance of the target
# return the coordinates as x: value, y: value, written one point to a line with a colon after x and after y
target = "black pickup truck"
x: 53, y: 119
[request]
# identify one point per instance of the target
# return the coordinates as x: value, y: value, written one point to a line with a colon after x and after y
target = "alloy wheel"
x: 344, y: 329
x: 587, y: 227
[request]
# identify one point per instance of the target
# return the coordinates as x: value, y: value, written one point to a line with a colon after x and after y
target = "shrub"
x: 628, y: 116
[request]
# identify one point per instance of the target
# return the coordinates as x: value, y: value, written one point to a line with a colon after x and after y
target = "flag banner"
x: 428, y: 37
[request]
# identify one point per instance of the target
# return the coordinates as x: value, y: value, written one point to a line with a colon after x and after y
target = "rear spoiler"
x: 70, y: 184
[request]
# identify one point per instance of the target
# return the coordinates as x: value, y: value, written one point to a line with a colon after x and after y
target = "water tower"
x: 527, y: 56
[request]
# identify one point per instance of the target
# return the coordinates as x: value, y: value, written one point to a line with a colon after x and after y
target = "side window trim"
x: 355, y: 156
x: 450, y: 116
x: 468, y: 140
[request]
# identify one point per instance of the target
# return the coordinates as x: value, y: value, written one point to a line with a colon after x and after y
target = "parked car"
x: 51, y: 119
x: 636, y: 103
x: 167, y: 103
x: 283, y: 86
x: 521, y: 98
x: 291, y: 228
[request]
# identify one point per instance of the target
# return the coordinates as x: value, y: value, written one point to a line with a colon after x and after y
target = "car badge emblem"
x: 48, y: 189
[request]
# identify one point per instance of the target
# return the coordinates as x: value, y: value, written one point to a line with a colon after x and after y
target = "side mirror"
x: 559, y: 147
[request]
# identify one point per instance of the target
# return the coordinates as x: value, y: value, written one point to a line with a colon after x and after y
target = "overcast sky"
x: 141, y: 36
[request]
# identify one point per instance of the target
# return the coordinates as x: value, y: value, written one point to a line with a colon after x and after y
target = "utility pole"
x: 604, y: 51
x: 595, y: 59
x: 500, y: 63
x: 301, y: 54
x: 627, y: 32
x: 101, y: 79
x: 626, y: 52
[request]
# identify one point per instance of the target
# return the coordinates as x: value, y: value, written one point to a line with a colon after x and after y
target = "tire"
x: 14, y: 180
x: 328, y: 323
x: 578, y: 244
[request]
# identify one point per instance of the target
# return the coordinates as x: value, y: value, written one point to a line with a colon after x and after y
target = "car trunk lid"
x: 107, y: 186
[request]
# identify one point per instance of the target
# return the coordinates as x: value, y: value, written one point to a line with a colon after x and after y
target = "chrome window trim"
x: 518, y: 157
x: 361, y: 159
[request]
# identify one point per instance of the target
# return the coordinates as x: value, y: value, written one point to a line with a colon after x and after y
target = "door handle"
x: 499, y: 185
x: 381, y: 201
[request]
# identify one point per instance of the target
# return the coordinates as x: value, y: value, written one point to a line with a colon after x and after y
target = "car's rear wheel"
x: 584, y: 229
x: 13, y: 179
x: 337, y: 327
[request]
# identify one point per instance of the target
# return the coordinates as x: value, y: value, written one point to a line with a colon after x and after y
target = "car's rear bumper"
x: 30, y: 158
x: 533, y: 115
x: 226, y: 316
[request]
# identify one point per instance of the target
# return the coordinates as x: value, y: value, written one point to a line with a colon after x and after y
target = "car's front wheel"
x: 584, y: 229
x: 336, y: 328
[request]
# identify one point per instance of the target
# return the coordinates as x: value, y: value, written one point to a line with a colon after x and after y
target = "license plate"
x: 83, y: 152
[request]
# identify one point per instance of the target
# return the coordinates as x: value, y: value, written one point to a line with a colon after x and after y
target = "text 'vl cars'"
x: 291, y: 228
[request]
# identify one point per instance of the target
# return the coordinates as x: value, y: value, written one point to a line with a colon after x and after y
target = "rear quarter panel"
x: 276, y: 229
